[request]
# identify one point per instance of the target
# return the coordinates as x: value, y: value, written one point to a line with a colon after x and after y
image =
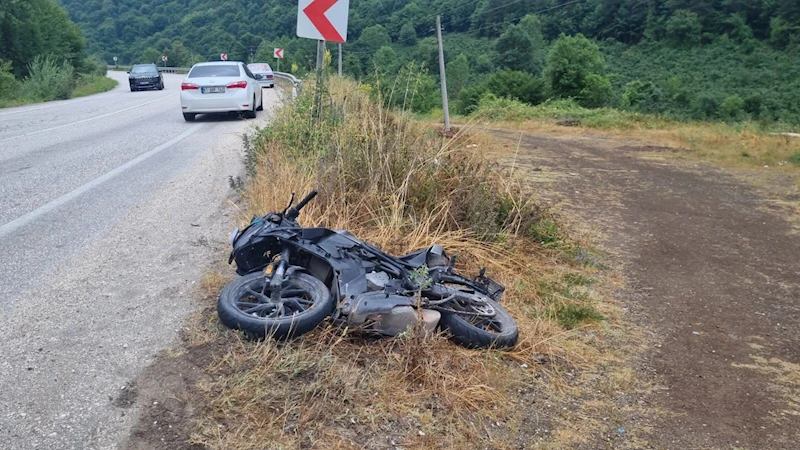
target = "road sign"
x: 278, y: 53
x: 115, y: 59
x: 323, y: 20
x: 223, y: 56
x: 164, y: 58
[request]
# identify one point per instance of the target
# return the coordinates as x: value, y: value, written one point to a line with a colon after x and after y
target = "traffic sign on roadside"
x: 115, y: 59
x: 323, y: 20
x: 278, y: 53
x: 223, y: 56
x: 164, y: 58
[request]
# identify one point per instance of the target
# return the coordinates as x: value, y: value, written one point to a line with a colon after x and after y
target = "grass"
x: 743, y: 144
x: 398, y: 184
x: 87, y: 85
x: 93, y: 84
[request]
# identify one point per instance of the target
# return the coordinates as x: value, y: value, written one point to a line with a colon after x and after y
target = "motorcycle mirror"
x: 291, y: 202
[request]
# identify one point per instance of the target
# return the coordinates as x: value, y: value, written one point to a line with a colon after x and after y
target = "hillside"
x: 686, y: 57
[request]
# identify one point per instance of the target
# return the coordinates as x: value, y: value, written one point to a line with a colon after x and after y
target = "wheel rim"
x: 476, y: 312
x: 254, y: 300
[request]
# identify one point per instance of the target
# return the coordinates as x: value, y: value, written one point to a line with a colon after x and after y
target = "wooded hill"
x: 685, y: 58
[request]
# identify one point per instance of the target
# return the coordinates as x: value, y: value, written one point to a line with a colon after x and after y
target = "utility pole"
x: 340, y: 59
x: 445, y: 106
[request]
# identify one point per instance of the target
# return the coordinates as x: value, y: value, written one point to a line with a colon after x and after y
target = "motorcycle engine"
x: 377, y: 281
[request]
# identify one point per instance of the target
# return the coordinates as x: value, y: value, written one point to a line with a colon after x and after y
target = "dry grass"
x: 399, y: 185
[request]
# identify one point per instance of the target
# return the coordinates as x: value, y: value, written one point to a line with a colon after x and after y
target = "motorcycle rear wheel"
x: 245, y: 305
x: 471, y: 331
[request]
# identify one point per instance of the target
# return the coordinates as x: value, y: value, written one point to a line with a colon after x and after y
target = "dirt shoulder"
x: 711, y: 266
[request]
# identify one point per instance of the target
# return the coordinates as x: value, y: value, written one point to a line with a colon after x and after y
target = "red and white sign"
x: 223, y: 56
x: 164, y: 58
x: 323, y: 20
x: 278, y: 53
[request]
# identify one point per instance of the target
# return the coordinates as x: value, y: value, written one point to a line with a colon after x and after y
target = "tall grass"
x: 400, y: 185
x: 48, y: 79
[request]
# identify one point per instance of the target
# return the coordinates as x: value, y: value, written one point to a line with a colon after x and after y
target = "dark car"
x: 145, y: 76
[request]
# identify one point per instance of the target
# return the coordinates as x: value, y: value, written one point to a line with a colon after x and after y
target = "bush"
x: 642, y: 96
x: 706, y: 107
x: 515, y: 84
x: 8, y: 83
x: 48, y: 79
x: 732, y: 107
x: 597, y: 92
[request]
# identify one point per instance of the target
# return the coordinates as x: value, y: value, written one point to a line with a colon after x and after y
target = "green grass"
x: 88, y: 85
x: 796, y: 158
x: 93, y: 84
x: 571, y: 315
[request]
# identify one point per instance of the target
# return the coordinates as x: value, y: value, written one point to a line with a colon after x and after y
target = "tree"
x: 457, y: 75
x: 408, y: 35
x: 570, y: 61
x: 532, y: 26
x: 384, y: 60
x: 150, y: 55
x: 518, y: 85
x: 514, y: 50
x: 684, y: 27
x: 371, y: 39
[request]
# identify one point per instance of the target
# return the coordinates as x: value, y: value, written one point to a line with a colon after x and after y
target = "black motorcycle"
x: 293, y: 278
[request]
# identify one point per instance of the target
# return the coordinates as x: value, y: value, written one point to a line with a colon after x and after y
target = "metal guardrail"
x: 297, y: 84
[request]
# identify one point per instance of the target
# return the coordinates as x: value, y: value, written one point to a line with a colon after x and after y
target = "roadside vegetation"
x: 398, y: 184
x: 42, y: 56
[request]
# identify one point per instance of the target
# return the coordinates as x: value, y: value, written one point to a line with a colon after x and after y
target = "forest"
x: 42, y: 53
x: 688, y: 59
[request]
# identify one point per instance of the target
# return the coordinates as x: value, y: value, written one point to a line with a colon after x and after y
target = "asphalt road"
x: 109, y: 208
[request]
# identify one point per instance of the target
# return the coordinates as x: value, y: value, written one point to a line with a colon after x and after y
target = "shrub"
x: 732, y: 107
x: 641, y: 96
x: 706, y: 106
x: 469, y: 98
x: 597, y: 92
x: 48, y: 79
x: 8, y: 83
x: 515, y: 84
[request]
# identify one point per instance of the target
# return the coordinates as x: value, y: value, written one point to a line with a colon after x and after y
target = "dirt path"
x: 711, y: 269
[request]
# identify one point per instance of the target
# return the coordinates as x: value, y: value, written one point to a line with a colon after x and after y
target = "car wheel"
x: 133, y: 89
x: 261, y: 105
x: 189, y: 117
x: 161, y: 86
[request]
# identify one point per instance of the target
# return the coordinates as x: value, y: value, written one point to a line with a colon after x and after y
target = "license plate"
x: 212, y: 90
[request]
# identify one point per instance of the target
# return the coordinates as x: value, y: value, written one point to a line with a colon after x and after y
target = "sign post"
x: 322, y: 20
x: 223, y: 56
x: 115, y: 61
x: 164, y: 60
x: 445, y: 107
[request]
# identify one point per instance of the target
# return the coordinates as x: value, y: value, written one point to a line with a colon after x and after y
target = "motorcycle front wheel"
x: 246, y: 305
x: 470, y: 325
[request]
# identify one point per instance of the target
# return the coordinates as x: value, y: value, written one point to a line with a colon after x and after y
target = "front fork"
x: 276, y: 282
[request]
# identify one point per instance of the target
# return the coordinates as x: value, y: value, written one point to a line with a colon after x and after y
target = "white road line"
x: 87, y: 120
x: 21, y: 221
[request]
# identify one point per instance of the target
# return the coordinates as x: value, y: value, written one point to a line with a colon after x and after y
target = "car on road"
x: 145, y: 76
x: 221, y: 87
x: 263, y: 69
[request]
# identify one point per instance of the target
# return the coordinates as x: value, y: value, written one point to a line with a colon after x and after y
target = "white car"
x: 267, y: 76
x: 220, y: 87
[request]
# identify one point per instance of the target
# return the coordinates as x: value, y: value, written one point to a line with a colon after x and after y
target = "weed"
x: 572, y: 315
x: 745, y: 155
x: 795, y: 158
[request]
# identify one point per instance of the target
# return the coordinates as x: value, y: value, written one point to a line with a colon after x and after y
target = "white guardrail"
x: 297, y: 84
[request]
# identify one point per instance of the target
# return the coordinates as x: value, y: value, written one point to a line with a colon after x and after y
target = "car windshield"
x: 259, y: 68
x: 216, y: 70
x: 144, y: 69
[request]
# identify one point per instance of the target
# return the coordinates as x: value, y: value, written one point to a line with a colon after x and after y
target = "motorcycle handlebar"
x: 295, y: 211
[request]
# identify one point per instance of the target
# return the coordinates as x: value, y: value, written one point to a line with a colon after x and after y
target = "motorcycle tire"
x: 231, y: 314
x: 502, y: 333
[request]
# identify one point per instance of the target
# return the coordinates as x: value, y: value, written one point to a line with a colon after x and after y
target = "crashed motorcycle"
x: 293, y: 278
